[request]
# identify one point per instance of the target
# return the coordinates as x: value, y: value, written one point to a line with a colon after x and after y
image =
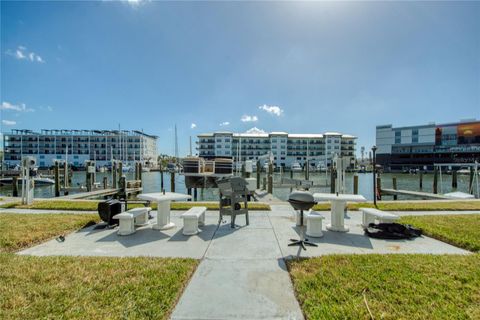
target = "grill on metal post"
x: 301, y: 200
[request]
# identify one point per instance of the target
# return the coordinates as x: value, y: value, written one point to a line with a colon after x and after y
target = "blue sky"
x: 297, y: 67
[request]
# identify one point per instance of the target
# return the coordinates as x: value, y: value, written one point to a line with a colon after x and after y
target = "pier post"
x: 189, y: 192
x: 379, y: 188
x: 355, y: 184
x: 88, y: 177
x: 114, y: 175
x: 120, y: 171
x: 264, y: 183
x: 15, y: 186
x: 65, y: 175
x: 57, y: 179
x: 291, y: 177
x: 258, y: 175
x: 195, y: 194
x: 270, y: 178
x: 162, y: 187
x: 435, y: 180
x: 307, y: 170
x: 333, y: 176
x: 105, y: 182
x: 123, y: 188
x: 394, y: 184
x: 454, y: 179
x: 172, y: 181
x: 470, y: 181
x: 420, y: 177
x: 243, y: 170
x: 140, y: 168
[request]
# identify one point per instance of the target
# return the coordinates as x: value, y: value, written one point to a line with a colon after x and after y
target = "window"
x: 219, y: 146
x: 219, y: 140
x: 397, y: 139
x: 274, y: 140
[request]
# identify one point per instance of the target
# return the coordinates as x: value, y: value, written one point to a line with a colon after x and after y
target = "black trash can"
x: 109, y: 208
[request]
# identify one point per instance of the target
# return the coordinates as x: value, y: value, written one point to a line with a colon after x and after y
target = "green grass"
x: 91, y: 287
x: 410, y: 206
x: 18, y: 231
x: 81, y: 287
x: 394, y: 286
x: 92, y: 205
x: 459, y: 230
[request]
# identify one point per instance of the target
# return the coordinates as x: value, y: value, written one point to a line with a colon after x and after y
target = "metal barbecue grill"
x: 301, y: 200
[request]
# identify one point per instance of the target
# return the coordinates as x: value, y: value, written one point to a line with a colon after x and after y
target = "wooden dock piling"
x: 379, y: 188
x: 394, y: 184
x: 195, y: 194
x: 15, y: 186
x: 420, y: 177
x: 470, y: 181
x: 454, y: 179
x: 333, y: 175
x: 435, y: 180
x: 172, y: 181
x: 189, y: 192
x: 114, y: 175
x: 307, y: 170
x: 355, y: 184
x: 270, y: 178
x: 105, y: 182
x: 258, y: 174
x: 57, y: 179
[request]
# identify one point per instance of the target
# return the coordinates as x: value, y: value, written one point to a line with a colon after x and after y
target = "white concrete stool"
x: 314, y: 224
x: 192, y: 219
x: 142, y: 218
x: 126, y: 225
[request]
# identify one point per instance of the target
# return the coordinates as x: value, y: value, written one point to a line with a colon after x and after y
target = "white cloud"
x: 21, y: 53
x: 193, y: 126
x: 9, y: 122
x: 255, y: 130
x: 47, y: 108
x: 15, y: 107
x: 275, y: 110
x: 247, y: 118
x: 225, y: 123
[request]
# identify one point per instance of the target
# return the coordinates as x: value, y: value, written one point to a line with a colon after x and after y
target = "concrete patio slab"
x: 239, y: 289
x: 353, y: 242
x: 145, y: 242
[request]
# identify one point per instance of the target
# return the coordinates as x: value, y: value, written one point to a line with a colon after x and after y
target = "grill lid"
x: 301, y: 196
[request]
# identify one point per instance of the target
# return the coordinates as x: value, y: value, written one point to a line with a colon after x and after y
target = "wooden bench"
x: 370, y: 214
x: 192, y: 219
x: 127, y: 220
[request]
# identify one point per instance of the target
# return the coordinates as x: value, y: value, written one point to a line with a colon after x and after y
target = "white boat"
x: 459, y: 195
x: 145, y: 169
x: 39, y: 181
x: 296, y: 167
x: 463, y: 171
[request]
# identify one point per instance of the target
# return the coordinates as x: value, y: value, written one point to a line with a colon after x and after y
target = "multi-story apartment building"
x: 424, y: 145
x: 77, y: 146
x: 285, y: 148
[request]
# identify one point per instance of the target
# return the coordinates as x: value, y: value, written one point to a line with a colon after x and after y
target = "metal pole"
x: 374, y: 149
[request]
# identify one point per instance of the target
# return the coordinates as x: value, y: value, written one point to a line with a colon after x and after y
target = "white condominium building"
x: 286, y: 148
x: 77, y: 146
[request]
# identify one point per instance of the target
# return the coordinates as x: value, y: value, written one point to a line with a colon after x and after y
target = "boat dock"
x: 100, y: 193
x: 425, y: 195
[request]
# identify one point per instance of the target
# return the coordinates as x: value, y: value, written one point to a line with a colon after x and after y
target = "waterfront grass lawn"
x: 409, y: 206
x: 91, y: 287
x: 19, y: 231
x: 459, y: 230
x: 80, y: 205
x: 393, y: 286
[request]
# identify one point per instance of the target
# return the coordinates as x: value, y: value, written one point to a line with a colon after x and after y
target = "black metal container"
x: 109, y: 208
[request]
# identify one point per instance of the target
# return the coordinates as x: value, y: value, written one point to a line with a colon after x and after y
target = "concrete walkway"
x: 242, y: 276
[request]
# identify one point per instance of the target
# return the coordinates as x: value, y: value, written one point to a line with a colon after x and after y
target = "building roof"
x: 305, y: 135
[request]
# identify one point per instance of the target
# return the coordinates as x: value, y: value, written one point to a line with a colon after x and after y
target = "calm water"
x: 151, y: 183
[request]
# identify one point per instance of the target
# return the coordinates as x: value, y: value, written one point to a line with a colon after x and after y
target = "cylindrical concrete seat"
x: 314, y: 224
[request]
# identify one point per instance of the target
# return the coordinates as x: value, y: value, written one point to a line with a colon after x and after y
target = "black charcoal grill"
x: 301, y: 200
x: 107, y: 209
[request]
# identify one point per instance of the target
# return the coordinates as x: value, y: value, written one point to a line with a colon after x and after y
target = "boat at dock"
x: 39, y: 181
x: 202, y: 173
x: 296, y: 167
